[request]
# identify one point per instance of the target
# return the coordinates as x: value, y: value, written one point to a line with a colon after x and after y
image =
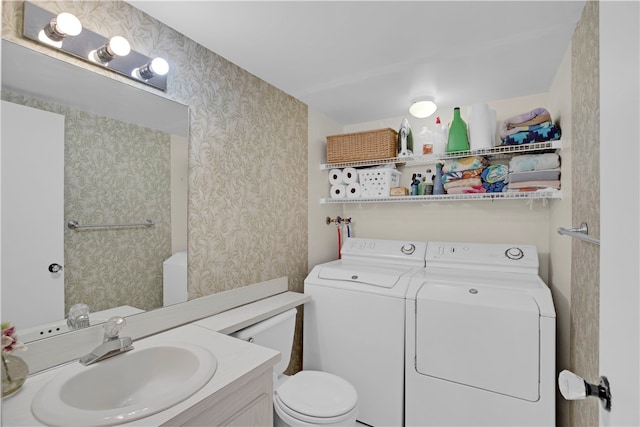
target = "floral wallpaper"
x: 114, y: 173
x: 247, y: 213
x: 585, y: 269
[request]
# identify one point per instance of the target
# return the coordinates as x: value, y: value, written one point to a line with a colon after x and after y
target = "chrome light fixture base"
x: 85, y: 44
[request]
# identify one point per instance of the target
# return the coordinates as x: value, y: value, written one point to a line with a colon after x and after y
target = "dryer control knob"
x: 408, y: 249
x: 514, y: 253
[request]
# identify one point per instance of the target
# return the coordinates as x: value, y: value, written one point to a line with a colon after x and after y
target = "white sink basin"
x: 125, y: 387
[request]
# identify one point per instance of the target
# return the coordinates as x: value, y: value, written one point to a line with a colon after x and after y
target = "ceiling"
x: 358, y: 61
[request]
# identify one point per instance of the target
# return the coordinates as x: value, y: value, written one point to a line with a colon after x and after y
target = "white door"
x: 32, y: 147
x: 619, y: 209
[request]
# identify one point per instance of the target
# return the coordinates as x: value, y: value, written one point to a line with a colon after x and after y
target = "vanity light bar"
x: 113, y: 53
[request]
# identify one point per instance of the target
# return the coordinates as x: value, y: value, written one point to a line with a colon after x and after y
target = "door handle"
x: 55, y: 268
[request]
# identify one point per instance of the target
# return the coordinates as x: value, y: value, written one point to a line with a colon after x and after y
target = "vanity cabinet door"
x: 257, y: 413
x: 247, y: 401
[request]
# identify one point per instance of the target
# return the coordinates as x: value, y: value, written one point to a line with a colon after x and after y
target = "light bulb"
x: 116, y: 46
x: 157, y: 67
x: 68, y: 24
x: 63, y: 25
x: 119, y: 46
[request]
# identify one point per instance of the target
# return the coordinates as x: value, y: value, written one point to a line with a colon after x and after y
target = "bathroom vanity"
x: 239, y: 393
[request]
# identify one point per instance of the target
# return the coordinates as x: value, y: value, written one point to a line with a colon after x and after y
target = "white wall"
x: 323, y: 240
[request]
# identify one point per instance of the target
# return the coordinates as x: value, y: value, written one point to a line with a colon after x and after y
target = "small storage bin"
x: 369, y: 145
x: 378, y: 182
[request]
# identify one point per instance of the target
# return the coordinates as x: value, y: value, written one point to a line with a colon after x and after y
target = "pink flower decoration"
x: 10, y: 341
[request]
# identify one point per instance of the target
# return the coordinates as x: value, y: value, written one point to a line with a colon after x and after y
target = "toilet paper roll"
x: 349, y: 175
x: 336, y: 177
x: 338, y: 191
x: 354, y: 190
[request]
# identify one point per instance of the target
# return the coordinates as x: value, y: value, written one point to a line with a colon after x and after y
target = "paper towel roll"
x: 338, y: 191
x: 354, y: 190
x: 349, y: 175
x: 336, y: 177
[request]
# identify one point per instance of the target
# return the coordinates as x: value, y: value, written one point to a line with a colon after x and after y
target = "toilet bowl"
x: 308, y: 398
x: 315, y: 398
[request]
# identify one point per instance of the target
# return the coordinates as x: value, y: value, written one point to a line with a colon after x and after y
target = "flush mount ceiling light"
x: 116, y: 46
x: 157, y: 67
x: 59, y: 27
x: 423, y: 107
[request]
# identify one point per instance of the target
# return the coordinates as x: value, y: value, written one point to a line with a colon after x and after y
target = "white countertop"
x: 238, y: 318
x: 236, y: 358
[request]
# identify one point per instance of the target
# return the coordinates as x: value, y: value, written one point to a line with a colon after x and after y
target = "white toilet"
x: 308, y: 398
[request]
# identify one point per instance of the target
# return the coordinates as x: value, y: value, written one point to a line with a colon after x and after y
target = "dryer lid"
x: 318, y: 394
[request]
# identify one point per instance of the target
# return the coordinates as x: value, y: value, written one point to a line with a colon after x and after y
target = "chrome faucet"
x: 112, y: 345
x: 78, y: 317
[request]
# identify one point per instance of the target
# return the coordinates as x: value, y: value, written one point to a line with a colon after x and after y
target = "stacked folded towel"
x: 531, y: 172
x: 529, y: 127
x: 494, y: 177
x: 462, y: 176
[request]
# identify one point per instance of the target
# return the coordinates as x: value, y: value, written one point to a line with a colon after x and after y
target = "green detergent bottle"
x: 458, y: 139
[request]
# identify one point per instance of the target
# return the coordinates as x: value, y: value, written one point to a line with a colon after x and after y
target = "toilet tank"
x: 275, y: 333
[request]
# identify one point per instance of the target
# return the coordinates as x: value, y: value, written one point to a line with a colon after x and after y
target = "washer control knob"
x: 408, y: 248
x: 514, y: 253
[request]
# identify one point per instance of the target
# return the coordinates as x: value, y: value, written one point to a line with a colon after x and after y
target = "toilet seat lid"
x: 318, y: 395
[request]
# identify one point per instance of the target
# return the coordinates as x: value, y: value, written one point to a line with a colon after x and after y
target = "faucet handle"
x: 113, y: 327
x: 78, y: 316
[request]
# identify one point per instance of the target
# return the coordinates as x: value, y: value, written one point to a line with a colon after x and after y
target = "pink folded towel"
x: 534, y: 184
x: 471, y: 182
x: 523, y: 121
x: 467, y: 190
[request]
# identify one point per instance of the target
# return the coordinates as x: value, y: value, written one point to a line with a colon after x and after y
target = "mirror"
x: 125, y: 161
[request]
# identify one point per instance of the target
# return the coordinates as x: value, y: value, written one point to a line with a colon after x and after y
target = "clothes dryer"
x: 354, y: 323
x: 480, y: 338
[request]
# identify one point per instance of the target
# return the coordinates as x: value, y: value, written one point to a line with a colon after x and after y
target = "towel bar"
x: 74, y: 225
x: 581, y: 233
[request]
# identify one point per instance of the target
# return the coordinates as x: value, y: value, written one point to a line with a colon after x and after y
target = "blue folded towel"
x: 494, y: 187
x: 542, y: 134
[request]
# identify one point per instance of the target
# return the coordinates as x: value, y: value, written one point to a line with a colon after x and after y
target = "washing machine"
x: 354, y: 323
x: 480, y: 338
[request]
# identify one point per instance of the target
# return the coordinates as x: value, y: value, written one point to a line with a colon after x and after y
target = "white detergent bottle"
x: 440, y: 138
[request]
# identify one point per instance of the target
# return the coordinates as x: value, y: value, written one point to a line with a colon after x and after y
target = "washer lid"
x: 385, y: 276
x: 318, y: 394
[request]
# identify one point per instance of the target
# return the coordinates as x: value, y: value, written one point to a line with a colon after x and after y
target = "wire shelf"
x: 540, y: 194
x: 496, y: 152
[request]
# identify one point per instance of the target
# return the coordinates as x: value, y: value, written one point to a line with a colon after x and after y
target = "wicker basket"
x: 368, y: 145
